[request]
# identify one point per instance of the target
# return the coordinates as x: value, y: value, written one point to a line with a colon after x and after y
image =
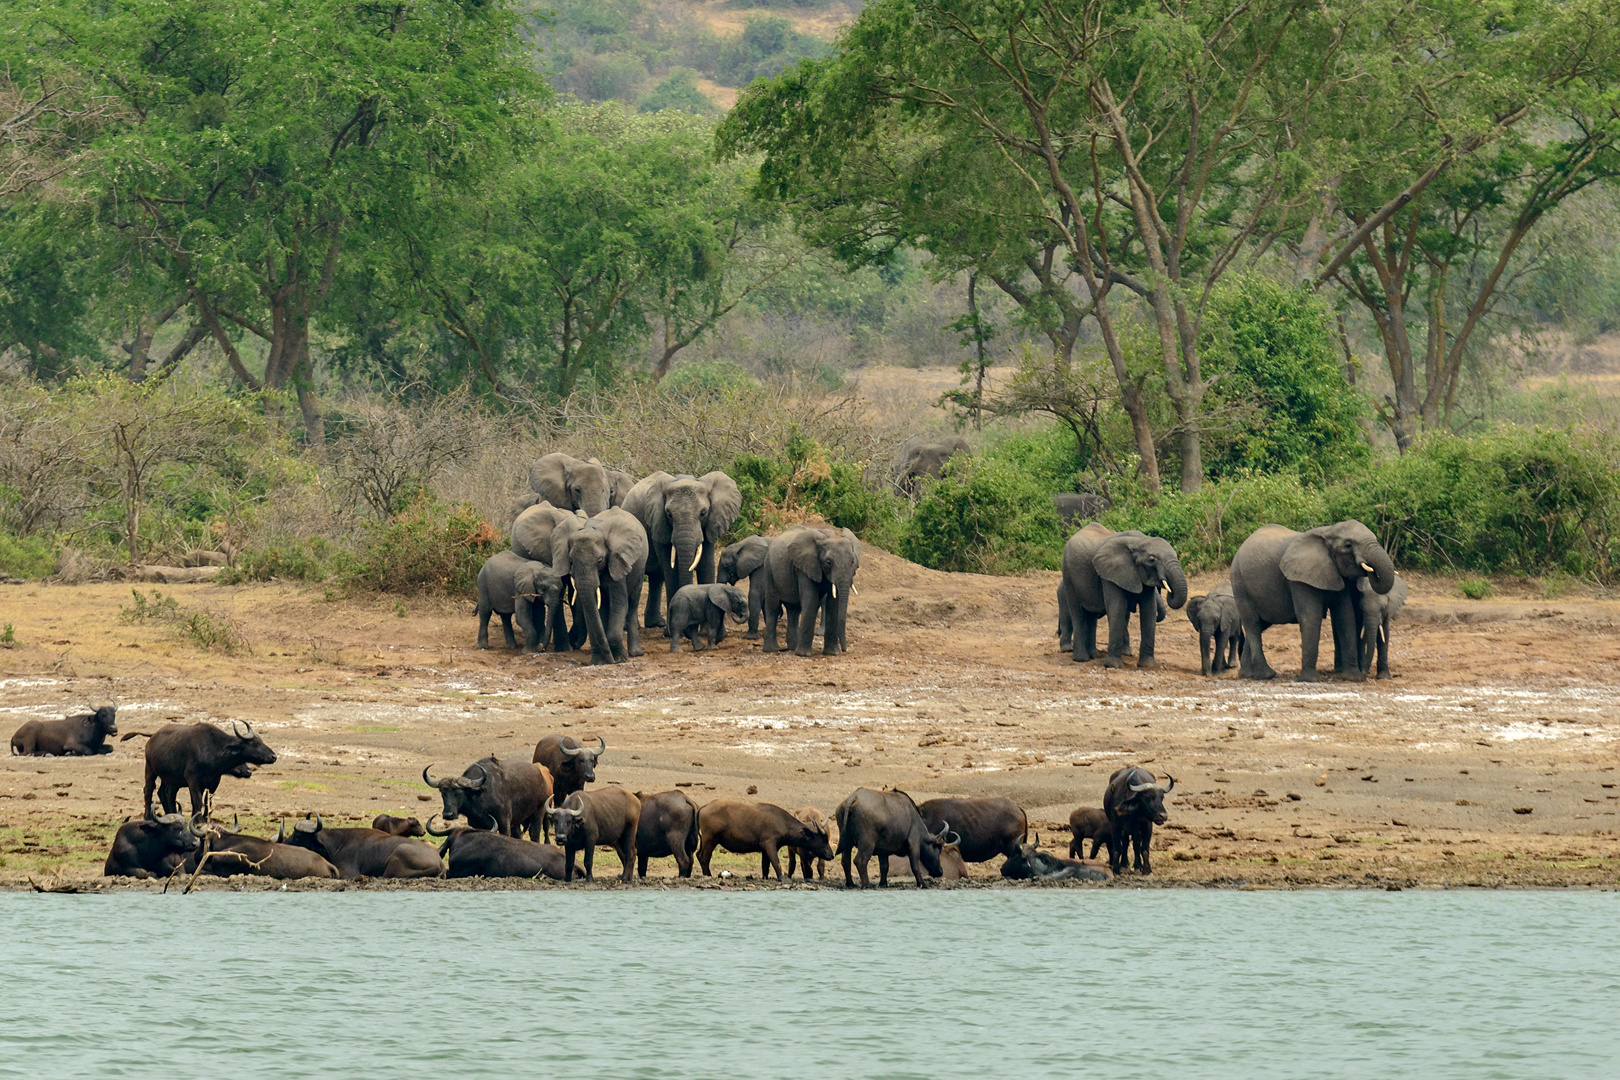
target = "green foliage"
x: 25, y: 557
x: 1475, y: 588
x: 157, y: 607
x: 1047, y: 454
x: 311, y: 560
x: 708, y: 377
x: 429, y: 548
x: 209, y: 631
x: 767, y: 45
x: 984, y: 517
x: 1206, y: 526
x: 8, y: 635
x: 678, y: 91
x: 805, y: 485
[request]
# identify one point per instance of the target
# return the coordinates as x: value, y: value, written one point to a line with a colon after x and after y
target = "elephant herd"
x: 1340, y: 573
x: 586, y: 539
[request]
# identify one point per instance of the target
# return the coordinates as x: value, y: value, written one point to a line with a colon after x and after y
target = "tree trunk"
x: 139, y: 349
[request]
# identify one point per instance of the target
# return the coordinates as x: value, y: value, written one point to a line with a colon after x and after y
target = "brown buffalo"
x: 987, y: 827
x: 398, y: 826
x: 364, y: 852
x: 668, y: 827
x: 1090, y: 823
x: 816, y: 820
x: 84, y: 735
x: 572, y: 765
x: 746, y: 827
x: 480, y: 853
x: 145, y: 848
x: 606, y: 817
x: 885, y: 823
x: 951, y: 865
x: 232, y: 853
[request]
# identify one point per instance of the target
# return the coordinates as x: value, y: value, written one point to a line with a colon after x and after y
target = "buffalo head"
x: 457, y: 791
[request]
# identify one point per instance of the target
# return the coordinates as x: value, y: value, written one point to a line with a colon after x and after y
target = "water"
x: 982, y: 984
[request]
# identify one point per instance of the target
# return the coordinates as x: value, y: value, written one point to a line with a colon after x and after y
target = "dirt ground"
x: 1489, y: 760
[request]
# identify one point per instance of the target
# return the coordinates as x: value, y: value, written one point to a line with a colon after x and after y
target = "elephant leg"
x: 506, y: 627
x: 809, y: 606
x: 1119, y: 616
x: 1310, y: 607
x: 1346, y: 643
x: 756, y: 602
x: 632, y: 628
x: 655, y: 587
x: 1203, y: 652
x: 484, y: 612
x: 618, y: 615
x: 706, y: 559
x: 525, y: 621
x: 1252, y: 657
x: 1383, y: 647
x: 830, y: 644
x: 773, y: 613
x: 1148, y: 618
x: 558, y: 628
x: 1065, y: 621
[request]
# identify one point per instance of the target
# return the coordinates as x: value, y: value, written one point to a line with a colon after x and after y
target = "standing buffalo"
x: 364, y: 852
x: 746, y: 827
x: 986, y: 827
x: 668, y: 827
x: 197, y: 756
x: 226, y: 854
x: 1090, y: 823
x: 145, y: 849
x: 608, y: 816
x: 479, y: 853
x: 505, y: 797
x: 816, y: 820
x: 1134, y: 803
x: 83, y: 735
x: 572, y: 766
x: 398, y: 826
x: 885, y: 823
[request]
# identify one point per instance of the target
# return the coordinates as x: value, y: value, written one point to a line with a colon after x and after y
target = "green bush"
x: 306, y: 560
x: 708, y: 377
x: 1207, y: 526
x: 678, y: 91
x: 984, y: 516
x: 1475, y: 588
x: 805, y: 484
x: 25, y: 557
x: 429, y: 547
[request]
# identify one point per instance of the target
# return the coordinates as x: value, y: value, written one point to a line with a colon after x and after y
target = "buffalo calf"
x: 1089, y: 823
x: 398, y: 826
x: 744, y: 828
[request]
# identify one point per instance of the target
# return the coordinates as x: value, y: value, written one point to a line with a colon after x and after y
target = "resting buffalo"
x: 746, y: 827
x: 231, y: 853
x: 1134, y: 803
x: 816, y: 820
x: 885, y: 823
x: 506, y: 796
x: 144, y: 849
x: 479, y: 853
x: 1089, y: 823
x: 572, y: 766
x: 668, y: 827
x: 951, y: 865
x: 364, y: 852
x: 398, y: 826
x: 1030, y: 863
x: 82, y: 735
x: 987, y: 827
x: 196, y: 756
x: 608, y: 816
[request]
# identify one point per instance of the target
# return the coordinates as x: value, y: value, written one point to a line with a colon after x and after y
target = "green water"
x: 993, y: 983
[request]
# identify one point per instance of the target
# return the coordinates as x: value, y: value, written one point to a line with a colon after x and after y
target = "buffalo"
x: 1134, y: 803
x: 586, y: 819
x: 746, y: 827
x: 144, y: 849
x: 197, y: 756
x: 225, y: 854
x: 398, y: 826
x: 364, y: 852
x: 572, y: 765
x: 480, y: 853
x: 951, y: 865
x: 492, y: 794
x: 816, y: 820
x: 885, y: 823
x: 987, y: 827
x: 1030, y: 863
x: 668, y: 827
x: 83, y: 735
x: 1090, y: 823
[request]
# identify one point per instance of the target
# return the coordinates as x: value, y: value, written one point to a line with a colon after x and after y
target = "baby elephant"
x: 510, y: 585
x: 1374, y: 613
x: 1215, y: 617
x: 746, y: 559
x: 704, y: 607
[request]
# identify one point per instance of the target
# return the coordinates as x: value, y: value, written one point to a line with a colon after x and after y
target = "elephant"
x: 1374, y: 613
x: 746, y: 559
x: 515, y: 508
x: 1116, y: 573
x: 571, y: 484
x: 811, y: 570
x: 531, y: 532
x: 1066, y: 620
x: 510, y: 585
x: 923, y: 458
x: 613, y: 542
x: 1215, y: 617
x: 1073, y: 509
x: 704, y: 608
x: 684, y: 517
x: 1283, y: 576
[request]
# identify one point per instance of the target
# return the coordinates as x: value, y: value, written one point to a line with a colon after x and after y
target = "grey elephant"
x: 1374, y: 614
x: 514, y: 587
x: 605, y: 558
x: 1066, y: 618
x: 811, y: 570
x: 703, y: 608
x: 684, y: 516
x: 1283, y: 576
x: 571, y: 484
x: 746, y: 559
x: 1073, y: 509
x: 1117, y: 573
x: 922, y: 458
x: 515, y: 508
x: 1215, y: 617
x: 531, y: 531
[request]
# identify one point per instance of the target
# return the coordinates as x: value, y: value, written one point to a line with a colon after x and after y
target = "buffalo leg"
x: 626, y: 847
x: 1116, y: 846
x: 862, y: 856
x: 849, y: 882
x: 883, y: 871
x: 771, y: 862
x: 791, y: 853
x: 590, y: 859
x: 146, y: 796
x: 1096, y: 845
x: 704, y: 853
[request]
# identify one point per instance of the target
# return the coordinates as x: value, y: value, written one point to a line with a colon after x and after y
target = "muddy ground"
x: 1489, y: 760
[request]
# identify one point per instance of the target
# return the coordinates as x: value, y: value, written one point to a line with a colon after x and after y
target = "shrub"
x: 1207, y: 526
x: 678, y: 91
x: 803, y: 484
x: 1475, y: 588
x: 25, y: 557
x: 429, y: 547
x: 984, y: 517
x: 305, y: 560
x: 209, y: 631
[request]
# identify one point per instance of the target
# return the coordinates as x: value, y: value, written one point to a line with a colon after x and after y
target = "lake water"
x: 989, y: 983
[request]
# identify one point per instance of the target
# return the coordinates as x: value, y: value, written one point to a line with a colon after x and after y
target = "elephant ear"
x: 646, y: 503
x: 805, y: 551
x: 627, y: 547
x: 1114, y: 562
x: 751, y: 556
x: 725, y: 501
x: 1306, y: 560
x: 549, y: 476
x: 523, y: 584
x: 619, y: 484
x: 560, y: 534
x: 855, y: 542
x: 1194, y: 606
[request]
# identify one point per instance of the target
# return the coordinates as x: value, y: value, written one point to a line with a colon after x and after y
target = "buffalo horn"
x: 281, y: 833
x: 428, y: 780
x: 953, y: 838
x: 601, y: 745
x: 483, y: 778
x: 236, y: 729
x: 551, y: 803
x: 431, y: 831
x: 1170, y: 785
x: 697, y: 555
x: 571, y: 751
x: 567, y: 809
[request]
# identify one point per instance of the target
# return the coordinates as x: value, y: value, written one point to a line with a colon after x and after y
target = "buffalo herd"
x: 489, y: 807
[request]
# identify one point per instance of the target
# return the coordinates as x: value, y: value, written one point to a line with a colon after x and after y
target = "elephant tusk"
x: 696, y: 557
x: 672, y: 558
x: 1369, y: 569
x: 1381, y: 635
x: 853, y: 591
x: 835, y: 592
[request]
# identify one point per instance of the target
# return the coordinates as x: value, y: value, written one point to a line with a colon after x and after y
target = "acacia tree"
x: 264, y: 143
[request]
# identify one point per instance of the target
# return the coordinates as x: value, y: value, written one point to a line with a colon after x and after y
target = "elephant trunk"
x: 1383, y: 567
x: 588, y: 604
x: 688, y: 546
x: 1178, y: 584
